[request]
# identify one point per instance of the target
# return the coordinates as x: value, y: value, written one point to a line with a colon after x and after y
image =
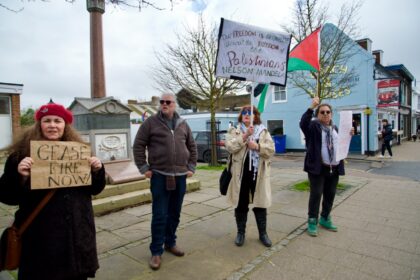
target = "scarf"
x: 255, y: 156
x: 329, y: 140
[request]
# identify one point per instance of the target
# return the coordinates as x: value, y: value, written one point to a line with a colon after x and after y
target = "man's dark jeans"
x: 386, y: 144
x: 166, y: 211
x: 324, y: 185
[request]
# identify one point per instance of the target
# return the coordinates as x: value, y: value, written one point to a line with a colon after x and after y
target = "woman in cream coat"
x: 250, y: 183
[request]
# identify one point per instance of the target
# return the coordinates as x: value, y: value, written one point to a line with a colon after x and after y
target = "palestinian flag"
x: 305, y: 56
x: 260, y: 93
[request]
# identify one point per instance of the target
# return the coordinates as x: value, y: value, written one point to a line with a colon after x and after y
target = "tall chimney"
x: 365, y: 43
x: 97, y: 70
x: 378, y: 54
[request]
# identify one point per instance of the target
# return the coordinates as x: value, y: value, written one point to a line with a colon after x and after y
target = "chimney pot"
x: 365, y: 43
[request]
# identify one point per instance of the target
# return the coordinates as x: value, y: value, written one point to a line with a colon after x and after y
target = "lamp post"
x: 368, y: 112
x: 97, y: 70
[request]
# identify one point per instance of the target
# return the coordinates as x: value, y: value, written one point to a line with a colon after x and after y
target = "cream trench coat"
x: 238, y: 149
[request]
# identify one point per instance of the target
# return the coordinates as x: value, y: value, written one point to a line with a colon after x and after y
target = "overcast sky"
x: 46, y: 45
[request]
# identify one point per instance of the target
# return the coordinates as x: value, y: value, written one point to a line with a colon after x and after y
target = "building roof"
x: 91, y: 103
x: 10, y: 88
x: 140, y: 109
x: 400, y: 67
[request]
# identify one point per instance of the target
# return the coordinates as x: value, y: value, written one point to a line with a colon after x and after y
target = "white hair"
x: 177, y: 108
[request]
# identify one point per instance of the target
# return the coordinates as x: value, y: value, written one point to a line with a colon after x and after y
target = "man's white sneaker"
x: 388, y: 156
x: 380, y: 156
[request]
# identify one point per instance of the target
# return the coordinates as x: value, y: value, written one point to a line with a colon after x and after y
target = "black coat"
x: 313, y: 138
x: 61, y: 241
x: 387, y: 133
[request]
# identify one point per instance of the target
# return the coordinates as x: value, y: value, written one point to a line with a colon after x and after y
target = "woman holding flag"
x: 251, y: 147
x: 323, y: 169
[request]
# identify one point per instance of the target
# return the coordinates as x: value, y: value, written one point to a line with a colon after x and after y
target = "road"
x: 407, y: 169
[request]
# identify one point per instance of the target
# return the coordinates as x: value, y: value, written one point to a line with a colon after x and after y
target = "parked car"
x: 202, y: 139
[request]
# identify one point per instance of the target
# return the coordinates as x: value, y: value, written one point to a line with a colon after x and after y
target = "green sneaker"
x: 327, y: 223
x: 312, y: 227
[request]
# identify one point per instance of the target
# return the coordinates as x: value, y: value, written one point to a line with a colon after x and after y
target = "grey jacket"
x: 168, y: 152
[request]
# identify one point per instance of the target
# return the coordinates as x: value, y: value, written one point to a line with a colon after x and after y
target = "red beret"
x: 54, y: 110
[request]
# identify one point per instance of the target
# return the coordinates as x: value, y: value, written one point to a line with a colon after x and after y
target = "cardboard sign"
x: 60, y: 164
x: 251, y: 53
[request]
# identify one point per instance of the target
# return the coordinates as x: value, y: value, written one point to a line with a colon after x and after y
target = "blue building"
x: 286, y: 105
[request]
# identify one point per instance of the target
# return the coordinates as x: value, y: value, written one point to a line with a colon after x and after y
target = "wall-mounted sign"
x: 111, y: 146
x: 388, y: 93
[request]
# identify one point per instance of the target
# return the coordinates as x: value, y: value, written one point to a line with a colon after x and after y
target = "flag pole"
x: 318, y: 94
x: 252, y: 123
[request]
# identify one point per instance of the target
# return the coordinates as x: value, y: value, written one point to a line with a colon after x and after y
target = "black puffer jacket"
x: 61, y: 241
x: 387, y: 132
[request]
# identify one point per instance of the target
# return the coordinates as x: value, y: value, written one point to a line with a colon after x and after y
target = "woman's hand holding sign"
x: 24, y: 166
x: 95, y: 164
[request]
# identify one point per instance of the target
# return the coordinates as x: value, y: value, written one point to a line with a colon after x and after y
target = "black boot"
x: 261, y: 217
x: 241, y: 218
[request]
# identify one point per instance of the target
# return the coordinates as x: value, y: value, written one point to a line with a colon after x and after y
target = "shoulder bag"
x: 11, y: 242
x: 225, y: 178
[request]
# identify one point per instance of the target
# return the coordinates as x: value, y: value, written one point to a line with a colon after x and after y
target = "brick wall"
x: 15, y: 113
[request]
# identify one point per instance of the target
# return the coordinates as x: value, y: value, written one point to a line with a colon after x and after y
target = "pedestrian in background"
x: 171, y: 158
x: 60, y: 243
x: 323, y: 170
x: 251, y: 148
x: 386, y: 138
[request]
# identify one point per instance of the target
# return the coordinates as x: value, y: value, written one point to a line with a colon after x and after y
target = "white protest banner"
x: 344, y: 135
x: 59, y: 164
x: 251, y: 53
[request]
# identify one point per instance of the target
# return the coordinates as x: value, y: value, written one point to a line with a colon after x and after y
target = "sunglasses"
x: 167, y: 102
x: 325, y: 112
x: 246, y: 112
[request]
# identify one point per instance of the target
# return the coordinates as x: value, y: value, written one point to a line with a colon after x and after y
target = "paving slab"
x: 199, y: 210
x: 116, y: 220
x: 107, y: 241
x: 120, y: 266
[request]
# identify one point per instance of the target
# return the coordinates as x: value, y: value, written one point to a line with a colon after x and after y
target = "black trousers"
x: 386, y: 144
x: 322, y: 185
x: 247, y: 187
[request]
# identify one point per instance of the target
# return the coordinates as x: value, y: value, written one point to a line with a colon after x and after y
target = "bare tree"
x: 137, y: 4
x: 335, y: 79
x: 191, y: 65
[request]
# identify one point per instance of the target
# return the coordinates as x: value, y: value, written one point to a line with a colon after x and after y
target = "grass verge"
x: 211, y: 168
x: 303, y: 186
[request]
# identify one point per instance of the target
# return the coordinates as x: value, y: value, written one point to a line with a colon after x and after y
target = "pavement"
x: 378, y: 235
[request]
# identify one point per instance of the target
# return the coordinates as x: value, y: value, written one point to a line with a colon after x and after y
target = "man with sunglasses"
x: 171, y: 157
x: 323, y: 170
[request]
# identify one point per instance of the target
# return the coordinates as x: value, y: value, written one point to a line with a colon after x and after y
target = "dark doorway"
x: 356, y: 140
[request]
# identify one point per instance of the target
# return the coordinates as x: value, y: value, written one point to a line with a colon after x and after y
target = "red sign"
x: 388, y: 93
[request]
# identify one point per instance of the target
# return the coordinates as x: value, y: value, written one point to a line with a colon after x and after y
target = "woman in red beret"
x: 60, y: 243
